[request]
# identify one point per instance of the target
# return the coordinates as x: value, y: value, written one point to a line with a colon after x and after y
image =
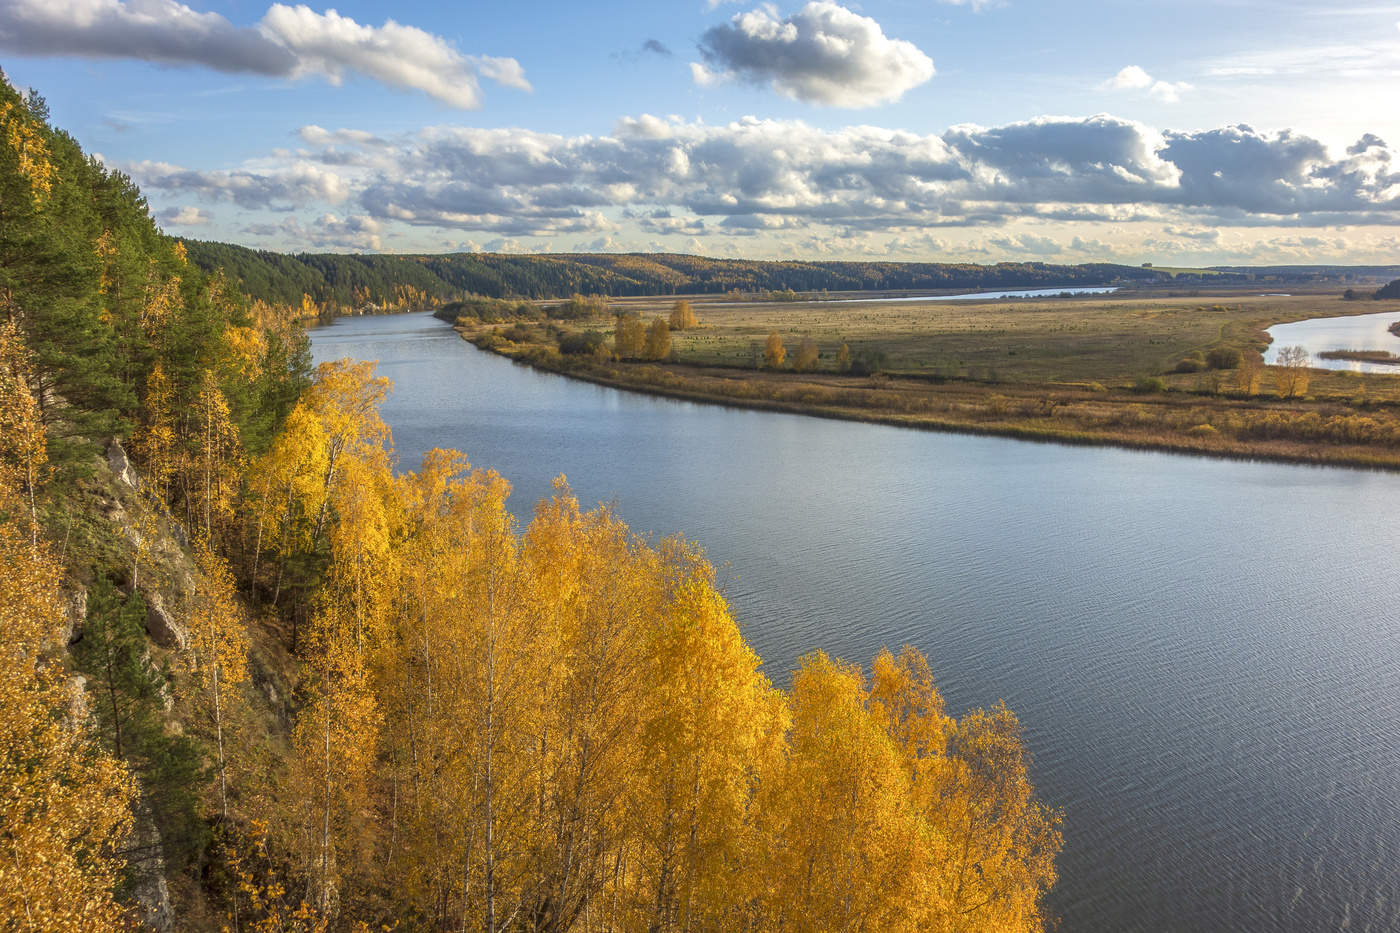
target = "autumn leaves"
x: 560, y: 728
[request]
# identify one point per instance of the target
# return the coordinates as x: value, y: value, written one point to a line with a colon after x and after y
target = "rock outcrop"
x: 161, y: 624
x: 121, y: 466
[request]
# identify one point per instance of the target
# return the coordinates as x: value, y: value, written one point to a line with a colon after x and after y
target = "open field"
x: 1101, y: 369
x: 1105, y: 339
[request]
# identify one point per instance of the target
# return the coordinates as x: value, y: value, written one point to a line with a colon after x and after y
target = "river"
x: 1351, y: 332
x: 1053, y: 292
x: 1204, y: 653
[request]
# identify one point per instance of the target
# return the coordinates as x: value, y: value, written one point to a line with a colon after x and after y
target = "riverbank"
x: 1354, y: 432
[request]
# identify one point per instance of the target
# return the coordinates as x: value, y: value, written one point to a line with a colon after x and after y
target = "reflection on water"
x: 987, y: 296
x: 1204, y: 653
x: 1354, y: 332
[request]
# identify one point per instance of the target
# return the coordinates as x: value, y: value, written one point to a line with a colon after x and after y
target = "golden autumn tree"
x: 343, y: 403
x: 629, y: 336
x: 65, y: 805
x: 683, y: 316
x: 1291, y: 372
x: 214, y: 464
x: 841, y: 847
x: 561, y: 728
x: 843, y: 358
x: 23, y: 444
x: 711, y: 724
x: 658, y: 343
x: 285, y: 489
x: 156, y: 439
x: 25, y: 137
x: 218, y: 648
x: 774, y: 353
x: 332, y: 750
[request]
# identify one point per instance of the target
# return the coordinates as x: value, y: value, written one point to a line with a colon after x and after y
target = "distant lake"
x: 1205, y: 654
x: 1353, y: 332
x: 987, y: 296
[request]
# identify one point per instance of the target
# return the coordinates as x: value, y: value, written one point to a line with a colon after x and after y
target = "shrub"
x: 1149, y: 384
x: 576, y: 344
x: 1190, y: 364
x: 1224, y: 358
x: 867, y: 363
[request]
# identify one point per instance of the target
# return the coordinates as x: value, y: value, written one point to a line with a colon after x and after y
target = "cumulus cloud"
x: 291, y: 185
x: 1134, y: 78
x: 289, y: 42
x: 780, y: 180
x: 823, y: 54
x: 187, y: 216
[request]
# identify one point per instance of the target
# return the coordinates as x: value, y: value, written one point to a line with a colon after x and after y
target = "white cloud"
x: 1131, y: 77
x: 292, y: 184
x: 823, y: 54
x: 1135, y: 78
x: 977, y: 6
x: 769, y: 181
x: 187, y: 216
x: 290, y: 41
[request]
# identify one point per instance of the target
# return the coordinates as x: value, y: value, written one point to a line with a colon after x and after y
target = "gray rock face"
x: 121, y: 466
x: 161, y: 624
x: 74, y: 615
x: 150, y: 894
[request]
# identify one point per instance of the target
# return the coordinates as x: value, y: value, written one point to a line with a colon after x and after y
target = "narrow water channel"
x: 1205, y: 654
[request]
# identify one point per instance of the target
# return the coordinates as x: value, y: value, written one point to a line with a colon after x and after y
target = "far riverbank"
x: 1229, y: 422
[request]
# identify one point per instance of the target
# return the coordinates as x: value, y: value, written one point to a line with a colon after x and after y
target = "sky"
x: 1185, y: 133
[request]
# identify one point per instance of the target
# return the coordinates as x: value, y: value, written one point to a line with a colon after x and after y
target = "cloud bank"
x: 823, y: 54
x: 781, y: 178
x: 289, y: 42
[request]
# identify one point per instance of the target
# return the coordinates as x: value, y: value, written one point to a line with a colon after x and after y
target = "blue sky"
x: 1191, y: 132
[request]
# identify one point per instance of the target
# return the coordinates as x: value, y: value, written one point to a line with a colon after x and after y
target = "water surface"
x: 1353, y: 332
x: 1204, y: 653
x: 987, y: 296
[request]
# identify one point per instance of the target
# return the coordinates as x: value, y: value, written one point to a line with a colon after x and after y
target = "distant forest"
x: 353, y: 279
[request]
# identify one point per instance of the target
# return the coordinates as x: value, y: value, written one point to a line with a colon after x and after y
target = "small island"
x: 1383, y: 357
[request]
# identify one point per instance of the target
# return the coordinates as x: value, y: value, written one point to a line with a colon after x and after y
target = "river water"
x: 1204, y: 653
x: 988, y: 296
x: 1352, y: 332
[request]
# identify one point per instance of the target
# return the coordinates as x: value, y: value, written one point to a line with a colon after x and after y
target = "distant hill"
x: 349, y: 279
x: 1313, y: 273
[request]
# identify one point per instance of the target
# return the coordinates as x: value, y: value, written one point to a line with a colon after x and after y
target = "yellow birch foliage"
x: 245, y: 348
x: 774, y: 353
x: 629, y: 336
x: 683, y: 316
x: 562, y: 729
x: 155, y: 439
x: 658, y: 345
x: 64, y: 804
x: 25, y: 137
x: 160, y: 300
x: 711, y: 724
x: 333, y: 745
x: 842, y: 846
x: 23, y: 445
x: 215, y: 465
x: 342, y: 405
x: 218, y: 649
